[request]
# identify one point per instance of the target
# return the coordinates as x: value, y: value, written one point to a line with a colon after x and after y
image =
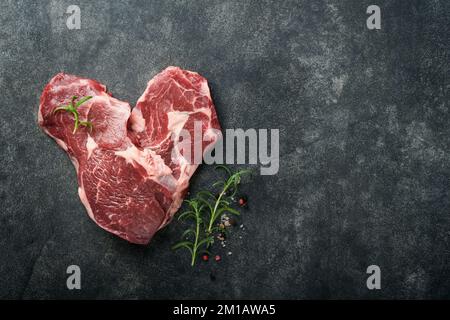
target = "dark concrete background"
x: 364, y: 146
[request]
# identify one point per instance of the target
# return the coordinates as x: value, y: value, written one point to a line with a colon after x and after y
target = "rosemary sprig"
x: 205, y: 209
x: 195, y: 241
x: 220, y: 204
x: 72, y: 108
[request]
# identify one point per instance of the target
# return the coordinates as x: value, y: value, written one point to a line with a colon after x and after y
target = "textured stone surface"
x: 364, y: 146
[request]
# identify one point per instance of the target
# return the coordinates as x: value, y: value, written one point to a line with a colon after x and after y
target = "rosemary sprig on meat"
x: 72, y: 108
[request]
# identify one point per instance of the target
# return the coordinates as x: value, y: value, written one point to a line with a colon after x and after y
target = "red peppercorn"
x: 242, y: 201
x: 205, y: 257
x: 217, y: 258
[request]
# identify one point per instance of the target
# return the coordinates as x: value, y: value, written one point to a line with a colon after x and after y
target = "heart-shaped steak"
x: 129, y: 180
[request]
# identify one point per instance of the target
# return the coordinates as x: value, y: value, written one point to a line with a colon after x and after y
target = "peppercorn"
x: 217, y: 258
x: 242, y: 201
x: 205, y: 257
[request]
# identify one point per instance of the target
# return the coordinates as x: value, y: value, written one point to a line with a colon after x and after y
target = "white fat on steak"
x: 91, y: 145
x: 152, y: 162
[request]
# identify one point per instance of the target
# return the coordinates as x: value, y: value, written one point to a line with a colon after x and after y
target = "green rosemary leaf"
x: 184, y: 244
x: 186, y: 214
x: 206, y: 194
x: 77, y: 121
x: 218, y: 183
x: 82, y: 100
x: 86, y: 124
x: 187, y: 232
x: 205, y: 241
x: 224, y: 202
x: 62, y: 108
x: 231, y: 210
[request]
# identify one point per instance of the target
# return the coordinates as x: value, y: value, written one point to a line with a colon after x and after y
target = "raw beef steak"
x: 129, y: 181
